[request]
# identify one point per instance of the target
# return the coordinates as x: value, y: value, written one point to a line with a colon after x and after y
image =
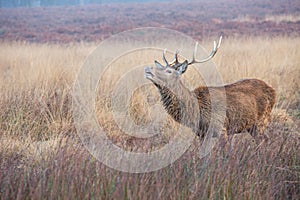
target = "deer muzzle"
x: 148, y: 73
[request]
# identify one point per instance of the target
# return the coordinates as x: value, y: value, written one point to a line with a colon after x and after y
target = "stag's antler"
x: 212, y: 54
x: 175, y: 63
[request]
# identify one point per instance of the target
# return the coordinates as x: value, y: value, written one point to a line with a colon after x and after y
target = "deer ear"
x: 183, y: 67
x: 158, y: 65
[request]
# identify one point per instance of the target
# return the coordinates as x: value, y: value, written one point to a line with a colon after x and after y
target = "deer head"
x: 171, y: 72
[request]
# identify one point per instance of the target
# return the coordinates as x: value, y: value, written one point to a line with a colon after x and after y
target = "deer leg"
x: 262, y: 125
x: 253, y: 131
x: 224, y: 135
x: 257, y: 132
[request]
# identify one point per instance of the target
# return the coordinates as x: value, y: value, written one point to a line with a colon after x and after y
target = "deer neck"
x: 180, y: 103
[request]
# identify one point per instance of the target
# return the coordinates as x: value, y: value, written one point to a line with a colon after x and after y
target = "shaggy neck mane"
x: 183, y: 105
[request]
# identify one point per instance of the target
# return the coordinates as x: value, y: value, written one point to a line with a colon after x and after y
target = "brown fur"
x: 249, y: 105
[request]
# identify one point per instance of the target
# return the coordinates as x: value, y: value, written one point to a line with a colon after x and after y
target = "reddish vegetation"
x: 196, y: 18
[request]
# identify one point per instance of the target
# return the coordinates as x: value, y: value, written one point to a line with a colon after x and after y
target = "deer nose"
x: 148, y: 68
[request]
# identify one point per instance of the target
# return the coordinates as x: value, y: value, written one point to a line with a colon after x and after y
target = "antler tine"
x: 174, y: 61
x: 219, y: 43
x: 195, y: 53
x: 212, y: 54
x: 164, y: 58
x: 176, y: 57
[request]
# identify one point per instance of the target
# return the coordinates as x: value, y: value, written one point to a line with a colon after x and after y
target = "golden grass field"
x: 41, y: 155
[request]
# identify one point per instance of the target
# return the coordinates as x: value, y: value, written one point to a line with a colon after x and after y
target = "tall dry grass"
x: 42, y: 157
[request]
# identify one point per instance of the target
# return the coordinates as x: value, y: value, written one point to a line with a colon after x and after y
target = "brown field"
x: 41, y: 155
x: 199, y: 19
x: 41, y: 51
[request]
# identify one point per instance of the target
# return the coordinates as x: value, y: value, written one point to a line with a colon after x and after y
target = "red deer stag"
x: 249, y: 101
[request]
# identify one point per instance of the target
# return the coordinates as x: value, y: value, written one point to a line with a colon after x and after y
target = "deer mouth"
x: 148, y: 73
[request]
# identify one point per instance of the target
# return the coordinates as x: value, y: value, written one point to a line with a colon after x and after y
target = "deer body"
x: 249, y: 102
x: 249, y: 106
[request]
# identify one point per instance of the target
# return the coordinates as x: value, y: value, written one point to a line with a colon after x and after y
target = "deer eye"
x: 169, y: 71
